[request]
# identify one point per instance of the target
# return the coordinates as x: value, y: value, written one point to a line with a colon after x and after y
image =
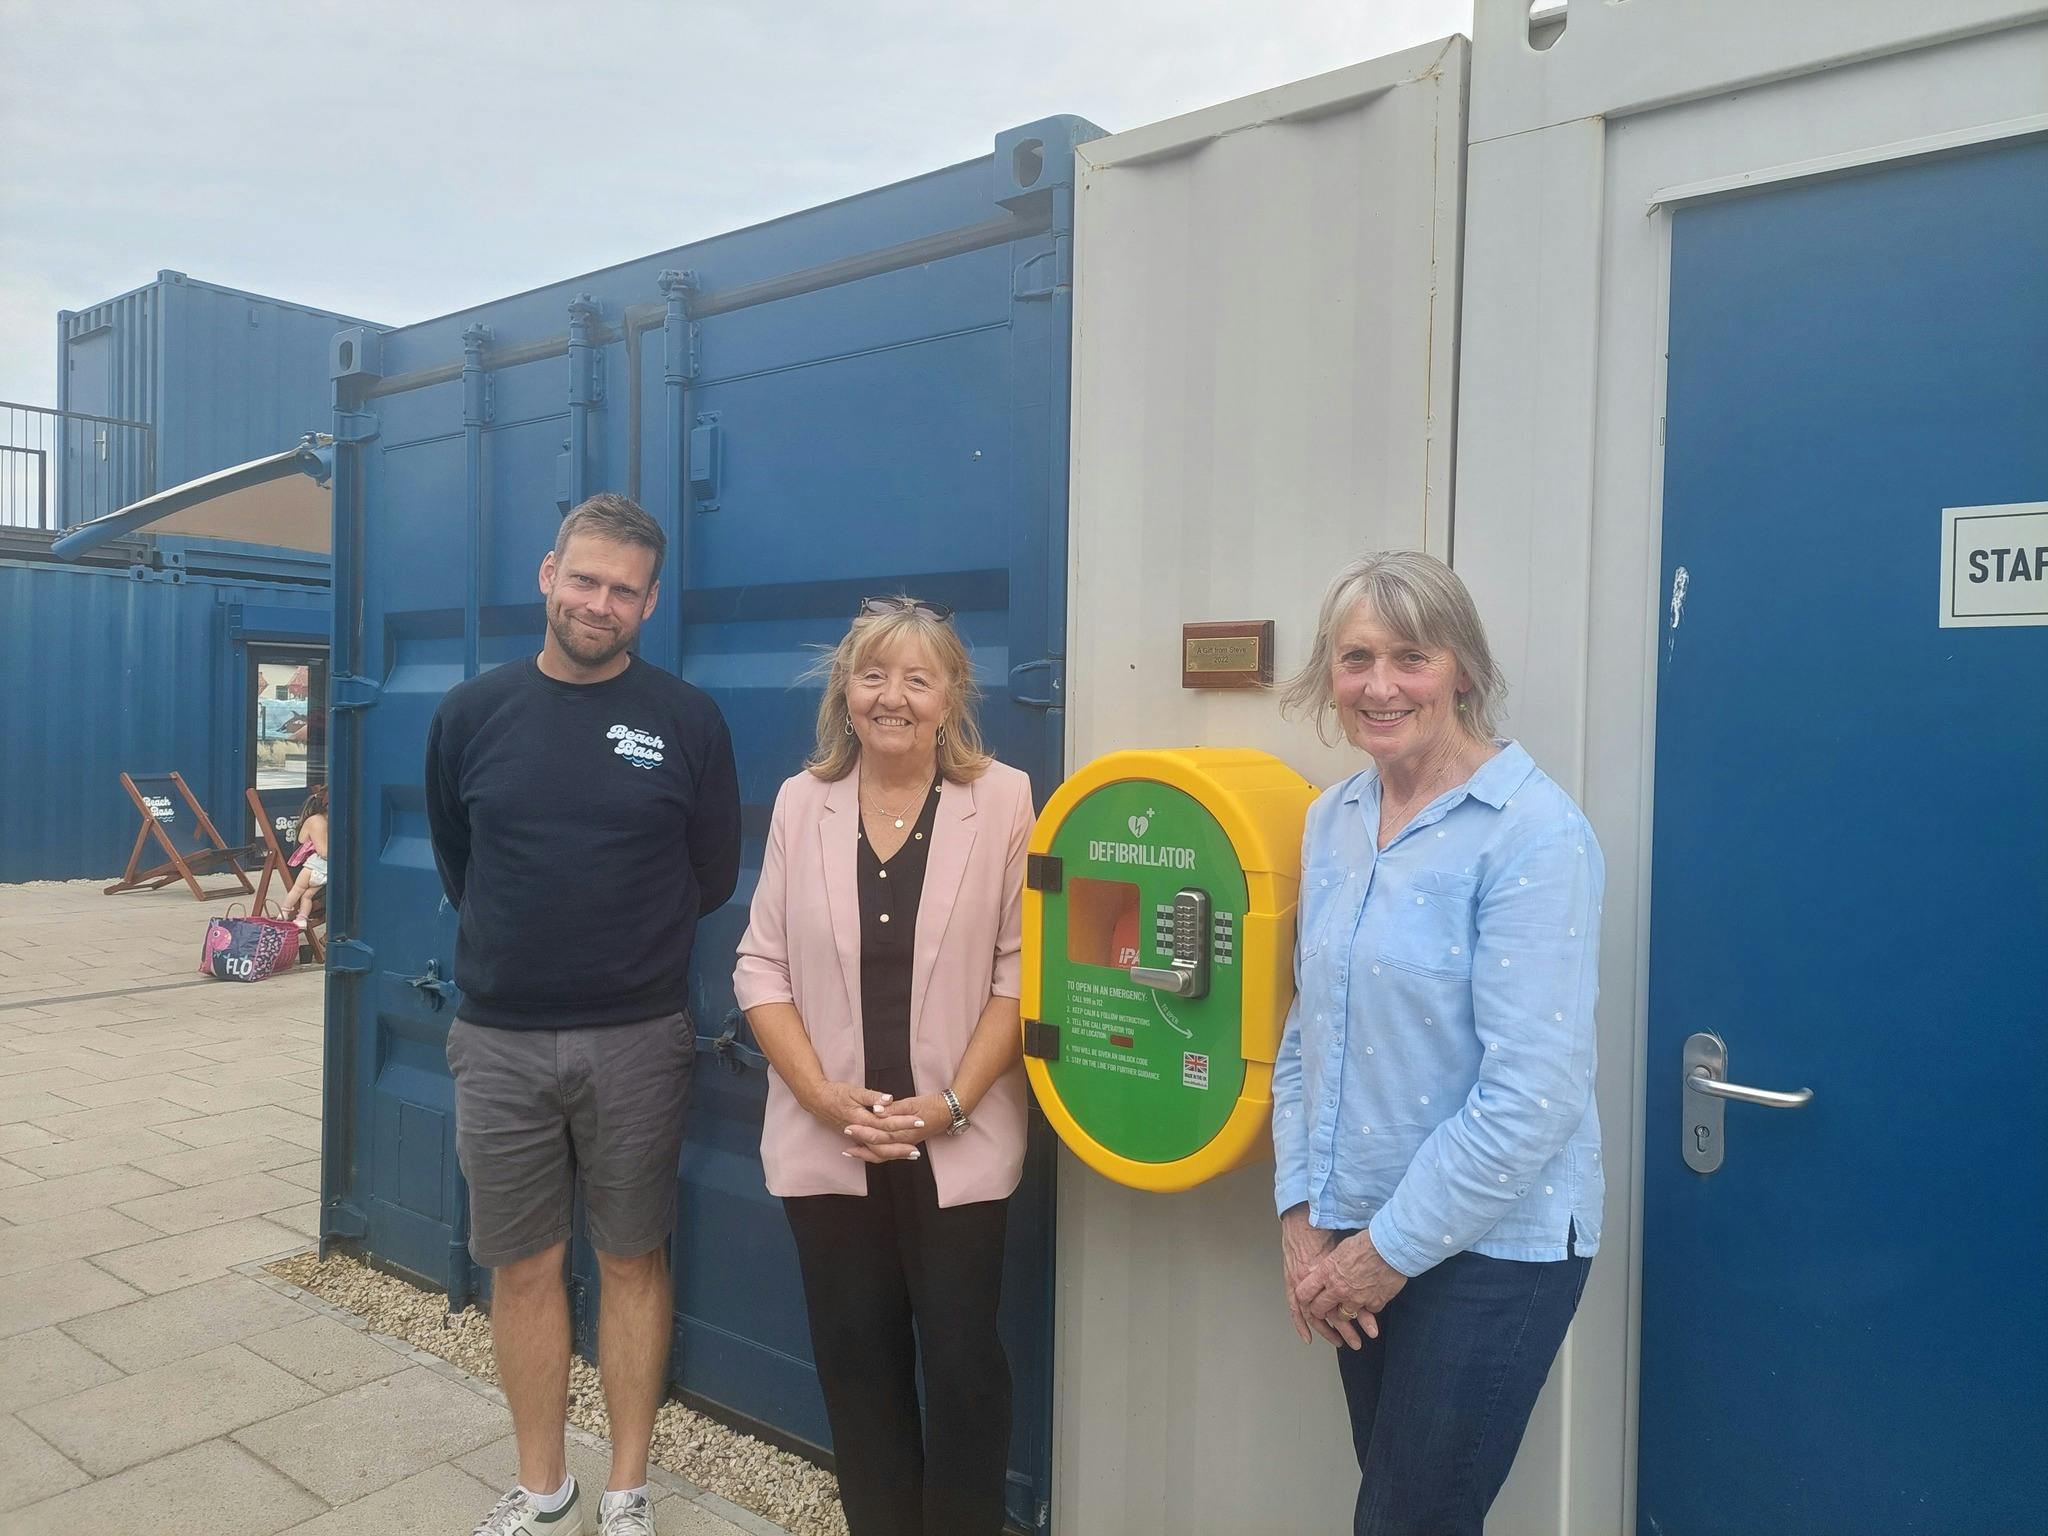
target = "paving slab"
x: 139, y: 1418
x: 306, y: 1174
x: 109, y: 1095
x: 371, y: 1436
x: 78, y: 1192
x: 188, y: 1165
x: 497, y: 1464
x: 30, y: 1467
x: 216, y: 1488
x: 436, y: 1502
x: 178, y: 1324
x: 172, y: 1262
x: 77, y: 1236
x: 35, y: 1367
x: 210, y: 1205
x: 36, y: 1298
x: 110, y: 1148
x: 48, y: 1079
x: 34, y: 1103
x: 12, y: 1177
x: 326, y: 1353
x: 242, y: 1124
x: 131, y: 1114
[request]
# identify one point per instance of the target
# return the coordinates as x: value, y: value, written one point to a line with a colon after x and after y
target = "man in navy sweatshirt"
x: 585, y: 814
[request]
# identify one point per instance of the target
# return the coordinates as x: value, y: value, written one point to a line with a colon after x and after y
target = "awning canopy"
x: 280, y: 500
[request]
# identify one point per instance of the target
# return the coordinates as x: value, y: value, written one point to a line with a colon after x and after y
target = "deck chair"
x: 276, y: 865
x: 172, y: 816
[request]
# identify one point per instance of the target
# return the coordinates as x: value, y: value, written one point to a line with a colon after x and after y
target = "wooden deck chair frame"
x: 276, y: 865
x: 220, y: 858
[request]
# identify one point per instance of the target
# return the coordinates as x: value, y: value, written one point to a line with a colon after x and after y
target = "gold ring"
x: 1349, y: 1312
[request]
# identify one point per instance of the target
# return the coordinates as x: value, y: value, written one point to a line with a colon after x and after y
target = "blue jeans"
x: 1440, y: 1399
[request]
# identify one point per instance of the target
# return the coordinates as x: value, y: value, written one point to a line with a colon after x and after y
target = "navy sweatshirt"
x: 580, y: 830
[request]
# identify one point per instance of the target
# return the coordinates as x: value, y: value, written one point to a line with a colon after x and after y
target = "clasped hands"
x: 880, y: 1129
x: 1335, y: 1291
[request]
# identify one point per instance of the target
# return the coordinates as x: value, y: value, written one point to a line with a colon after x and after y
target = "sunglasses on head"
x: 874, y: 605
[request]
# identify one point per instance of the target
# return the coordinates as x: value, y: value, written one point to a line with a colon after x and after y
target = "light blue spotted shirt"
x: 1435, y: 1081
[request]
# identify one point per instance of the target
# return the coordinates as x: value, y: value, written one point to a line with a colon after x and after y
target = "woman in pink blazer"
x: 880, y: 974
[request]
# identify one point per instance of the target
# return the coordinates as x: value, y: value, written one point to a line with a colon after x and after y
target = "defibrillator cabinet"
x: 1158, y: 958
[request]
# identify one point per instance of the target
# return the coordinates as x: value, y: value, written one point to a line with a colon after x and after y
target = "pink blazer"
x: 802, y: 946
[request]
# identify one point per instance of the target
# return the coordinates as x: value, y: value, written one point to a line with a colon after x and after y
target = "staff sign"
x: 1994, y: 565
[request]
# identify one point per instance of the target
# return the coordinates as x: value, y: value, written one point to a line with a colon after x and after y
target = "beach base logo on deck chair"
x: 190, y: 843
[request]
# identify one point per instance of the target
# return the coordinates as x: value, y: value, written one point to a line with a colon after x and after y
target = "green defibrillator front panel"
x: 1158, y: 958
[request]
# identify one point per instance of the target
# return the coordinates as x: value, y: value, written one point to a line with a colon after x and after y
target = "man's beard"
x: 585, y: 648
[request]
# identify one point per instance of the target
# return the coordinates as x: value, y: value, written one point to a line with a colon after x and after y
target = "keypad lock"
x: 1188, y: 973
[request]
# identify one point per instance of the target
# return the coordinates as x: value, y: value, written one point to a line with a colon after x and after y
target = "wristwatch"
x: 959, y: 1115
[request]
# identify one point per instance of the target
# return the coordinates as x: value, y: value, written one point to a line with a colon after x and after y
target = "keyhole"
x: 1699, y: 1137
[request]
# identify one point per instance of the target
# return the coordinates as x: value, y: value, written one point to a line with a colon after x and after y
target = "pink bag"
x: 248, y: 948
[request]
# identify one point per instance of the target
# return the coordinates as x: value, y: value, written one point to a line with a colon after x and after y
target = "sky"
x: 399, y: 160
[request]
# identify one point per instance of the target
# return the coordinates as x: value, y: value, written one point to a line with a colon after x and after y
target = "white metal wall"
x: 1265, y: 300
x: 1576, y: 150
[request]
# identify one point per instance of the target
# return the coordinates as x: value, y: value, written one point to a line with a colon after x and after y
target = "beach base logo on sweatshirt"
x: 642, y: 749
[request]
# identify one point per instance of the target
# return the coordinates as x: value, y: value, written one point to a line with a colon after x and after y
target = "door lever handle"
x: 1771, y: 1098
x: 1703, y: 1094
x: 1174, y: 980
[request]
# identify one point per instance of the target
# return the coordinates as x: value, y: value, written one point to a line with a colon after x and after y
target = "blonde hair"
x: 1422, y: 600
x: 961, y: 756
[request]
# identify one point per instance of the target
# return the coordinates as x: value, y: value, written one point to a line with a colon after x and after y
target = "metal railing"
x: 62, y: 468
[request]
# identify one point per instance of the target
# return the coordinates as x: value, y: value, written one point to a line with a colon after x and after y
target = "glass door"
x: 287, y: 731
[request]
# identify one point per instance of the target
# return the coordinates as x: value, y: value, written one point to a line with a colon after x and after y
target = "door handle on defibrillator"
x: 1188, y: 973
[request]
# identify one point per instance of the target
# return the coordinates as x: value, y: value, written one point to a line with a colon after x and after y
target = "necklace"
x: 897, y: 816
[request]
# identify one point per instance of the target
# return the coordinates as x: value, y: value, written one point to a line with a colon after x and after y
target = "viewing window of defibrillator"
x: 1102, y: 923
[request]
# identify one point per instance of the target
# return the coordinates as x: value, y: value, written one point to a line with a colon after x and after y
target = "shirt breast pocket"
x: 1322, y: 897
x: 1430, y: 930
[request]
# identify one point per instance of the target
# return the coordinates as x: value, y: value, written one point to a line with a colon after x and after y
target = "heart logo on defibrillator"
x: 1138, y: 824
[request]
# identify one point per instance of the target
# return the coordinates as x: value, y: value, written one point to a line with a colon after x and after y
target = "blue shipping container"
x: 870, y: 396
x: 221, y: 376
x: 134, y: 669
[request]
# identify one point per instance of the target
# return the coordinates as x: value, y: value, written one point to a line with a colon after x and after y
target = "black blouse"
x: 889, y: 894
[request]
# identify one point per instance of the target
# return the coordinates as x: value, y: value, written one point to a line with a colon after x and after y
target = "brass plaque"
x: 1238, y: 654
x: 1224, y: 653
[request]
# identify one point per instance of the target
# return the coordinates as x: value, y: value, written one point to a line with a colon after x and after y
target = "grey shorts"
x: 537, y: 1110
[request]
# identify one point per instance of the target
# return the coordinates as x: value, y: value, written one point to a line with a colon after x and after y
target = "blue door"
x: 865, y: 398
x: 1841, y: 1324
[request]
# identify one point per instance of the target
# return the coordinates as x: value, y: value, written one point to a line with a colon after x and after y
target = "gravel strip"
x: 781, y: 1487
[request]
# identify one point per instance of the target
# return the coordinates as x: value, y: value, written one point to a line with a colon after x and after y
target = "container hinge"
x: 706, y: 456
x: 350, y: 957
x: 340, y: 1219
x: 1043, y: 871
x: 1041, y: 1040
x: 355, y: 427
x: 347, y: 691
x: 1054, y: 685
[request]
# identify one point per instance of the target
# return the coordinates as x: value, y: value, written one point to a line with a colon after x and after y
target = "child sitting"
x: 311, y: 857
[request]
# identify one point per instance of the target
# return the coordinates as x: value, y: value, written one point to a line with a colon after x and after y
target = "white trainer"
x: 625, y: 1514
x: 514, y: 1515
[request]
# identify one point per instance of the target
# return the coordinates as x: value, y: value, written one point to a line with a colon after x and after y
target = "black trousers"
x: 887, y: 1278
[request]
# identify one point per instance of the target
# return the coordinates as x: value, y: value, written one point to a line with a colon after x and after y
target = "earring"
x: 940, y: 739
x: 849, y: 725
x: 1461, y: 706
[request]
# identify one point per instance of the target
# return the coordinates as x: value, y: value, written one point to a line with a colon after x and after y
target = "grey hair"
x: 608, y: 515
x: 1422, y: 600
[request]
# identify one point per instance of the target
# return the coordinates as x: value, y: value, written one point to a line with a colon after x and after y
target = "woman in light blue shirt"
x: 1438, y: 1152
